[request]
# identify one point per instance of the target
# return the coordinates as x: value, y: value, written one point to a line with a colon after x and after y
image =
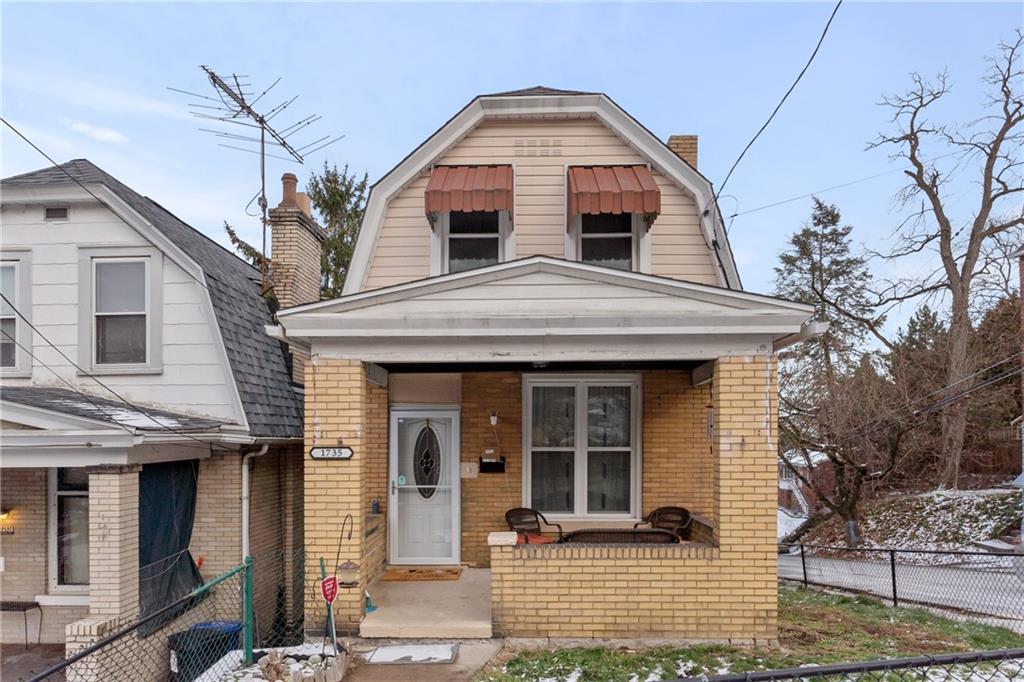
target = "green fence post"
x: 248, y: 612
x: 330, y: 607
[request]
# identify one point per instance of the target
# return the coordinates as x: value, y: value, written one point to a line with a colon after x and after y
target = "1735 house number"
x: 340, y: 452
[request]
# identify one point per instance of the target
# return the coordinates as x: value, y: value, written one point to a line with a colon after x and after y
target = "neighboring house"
x: 543, y: 310
x: 794, y: 495
x: 114, y: 506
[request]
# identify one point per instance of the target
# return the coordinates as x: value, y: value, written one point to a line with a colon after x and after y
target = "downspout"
x: 245, y: 495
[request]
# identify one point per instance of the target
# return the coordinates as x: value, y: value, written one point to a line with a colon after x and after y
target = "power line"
x: 782, y: 101
x: 97, y: 380
x: 90, y: 192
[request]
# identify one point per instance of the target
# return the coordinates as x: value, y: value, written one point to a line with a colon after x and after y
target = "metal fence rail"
x: 979, y: 666
x: 987, y: 585
x: 208, y: 631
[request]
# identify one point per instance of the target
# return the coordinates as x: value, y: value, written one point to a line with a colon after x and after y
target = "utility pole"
x: 234, y: 103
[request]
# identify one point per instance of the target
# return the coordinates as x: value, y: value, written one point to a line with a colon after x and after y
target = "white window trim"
x: 22, y: 261
x: 51, y: 535
x: 641, y: 242
x: 87, y: 258
x: 580, y: 381
x: 439, y: 242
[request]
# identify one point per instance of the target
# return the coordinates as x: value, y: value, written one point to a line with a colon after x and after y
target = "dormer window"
x: 607, y: 239
x: 470, y: 213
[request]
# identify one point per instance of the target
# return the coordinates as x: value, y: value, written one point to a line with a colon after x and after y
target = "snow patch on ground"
x: 787, y: 523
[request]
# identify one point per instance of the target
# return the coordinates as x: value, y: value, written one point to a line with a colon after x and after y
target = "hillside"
x: 936, y: 520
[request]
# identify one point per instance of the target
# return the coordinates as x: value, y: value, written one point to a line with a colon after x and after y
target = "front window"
x: 606, y: 239
x: 69, y: 528
x: 120, y: 311
x: 583, y: 446
x: 474, y: 240
x: 8, y: 318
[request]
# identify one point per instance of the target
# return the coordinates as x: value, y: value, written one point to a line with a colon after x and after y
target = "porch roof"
x: 543, y: 309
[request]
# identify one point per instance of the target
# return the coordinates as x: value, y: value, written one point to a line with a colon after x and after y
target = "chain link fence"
x: 201, y: 636
x: 981, y: 666
x: 987, y: 587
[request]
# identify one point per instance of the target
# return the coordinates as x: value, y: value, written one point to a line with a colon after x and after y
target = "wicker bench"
x: 623, y: 536
x: 24, y: 607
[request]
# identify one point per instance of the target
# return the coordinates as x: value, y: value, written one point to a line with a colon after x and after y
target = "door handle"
x: 394, y: 488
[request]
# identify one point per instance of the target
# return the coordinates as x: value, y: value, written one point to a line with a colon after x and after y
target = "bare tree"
x: 937, y: 157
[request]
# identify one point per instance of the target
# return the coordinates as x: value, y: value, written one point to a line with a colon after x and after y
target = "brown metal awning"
x: 613, y: 189
x: 469, y: 188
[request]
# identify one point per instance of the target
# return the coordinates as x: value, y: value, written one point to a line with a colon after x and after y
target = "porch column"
x: 114, y: 541
x: 342, y: 409
x: 745, y: 400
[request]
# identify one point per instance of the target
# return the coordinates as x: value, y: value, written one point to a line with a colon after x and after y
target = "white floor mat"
x: 413, y: 653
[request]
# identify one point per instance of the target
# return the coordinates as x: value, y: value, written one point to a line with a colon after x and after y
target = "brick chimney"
x: 295, y: 250
x: 685, y: 146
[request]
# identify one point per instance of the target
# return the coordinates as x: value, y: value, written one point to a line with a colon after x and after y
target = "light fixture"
x: 5, y: 513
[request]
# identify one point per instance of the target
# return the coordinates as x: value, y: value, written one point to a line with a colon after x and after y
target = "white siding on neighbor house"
x: 540, y: 152
x: 194, y: 378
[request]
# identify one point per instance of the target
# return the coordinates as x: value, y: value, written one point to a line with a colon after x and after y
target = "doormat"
x: 413, y: 653
x: 446, y: 573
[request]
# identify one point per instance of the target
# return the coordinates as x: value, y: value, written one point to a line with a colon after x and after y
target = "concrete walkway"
x: 18, y: 663
x: 472, y: 656
x: 431, y: 609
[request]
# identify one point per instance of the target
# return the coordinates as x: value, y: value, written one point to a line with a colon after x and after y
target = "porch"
x: 448, y: 414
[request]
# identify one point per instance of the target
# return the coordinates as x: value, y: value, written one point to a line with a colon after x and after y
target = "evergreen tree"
x: 340, y: 201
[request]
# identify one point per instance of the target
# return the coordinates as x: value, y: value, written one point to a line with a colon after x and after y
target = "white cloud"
x: 98, y: 133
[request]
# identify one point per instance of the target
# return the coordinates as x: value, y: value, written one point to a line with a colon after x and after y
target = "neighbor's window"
x: 474, y: 240
x: 606, y: 239
x: 582, y: 454
x: 69, y: 528
x: 120, y: 310
x: 8, y: 319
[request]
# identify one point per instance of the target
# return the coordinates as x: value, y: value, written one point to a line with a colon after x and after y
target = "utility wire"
x: 117, y: 395
x: 89, y: 192
x: 781, y: 102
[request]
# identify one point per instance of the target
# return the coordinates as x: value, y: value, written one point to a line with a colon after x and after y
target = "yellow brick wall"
x: 295, y: 269
x: 374, y: 536
x: 25, y: 574
x: 727, y: 592
x: 336, y: 414
x: 678, y: 464
x: 216, y: 531
x: 485, y: 499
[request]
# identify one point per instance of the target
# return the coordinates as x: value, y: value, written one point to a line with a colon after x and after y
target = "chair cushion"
x: 535, y: 539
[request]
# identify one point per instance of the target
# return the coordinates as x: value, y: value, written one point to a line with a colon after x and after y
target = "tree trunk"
x: 954, y: 415
x: 851, y: 527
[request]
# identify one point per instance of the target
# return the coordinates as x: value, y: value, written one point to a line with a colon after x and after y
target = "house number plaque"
x: 340, y: 452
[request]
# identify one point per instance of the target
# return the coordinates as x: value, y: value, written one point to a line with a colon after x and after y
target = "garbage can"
x: 196, y: 649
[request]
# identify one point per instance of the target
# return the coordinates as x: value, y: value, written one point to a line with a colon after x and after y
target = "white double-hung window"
x: 466, y: 240
x: 8, y: 318
x: 69, y: 530
x: 121, y: 311
x: 15, y: 313
x: 582, y: 445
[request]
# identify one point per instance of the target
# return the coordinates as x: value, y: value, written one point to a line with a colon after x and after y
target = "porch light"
x: 5, y: 513
x: 348, y: 574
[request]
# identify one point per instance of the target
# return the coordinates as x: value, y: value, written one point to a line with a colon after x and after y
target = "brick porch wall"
x: 728, y: 592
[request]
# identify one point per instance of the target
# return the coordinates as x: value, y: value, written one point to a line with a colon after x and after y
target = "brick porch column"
x: 337, y: 408
x: 114, y: 541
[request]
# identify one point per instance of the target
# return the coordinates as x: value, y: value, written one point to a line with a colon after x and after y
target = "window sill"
x: 59, y: 599
x: 116, y: 370
x: 15, y: 373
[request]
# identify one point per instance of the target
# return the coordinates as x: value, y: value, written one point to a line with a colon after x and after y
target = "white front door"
x: 423, y: 507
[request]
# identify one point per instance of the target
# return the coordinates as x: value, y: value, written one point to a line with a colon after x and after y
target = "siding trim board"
x: 595, y: 106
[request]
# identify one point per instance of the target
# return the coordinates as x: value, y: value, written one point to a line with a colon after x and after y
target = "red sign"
x: 329, y: 589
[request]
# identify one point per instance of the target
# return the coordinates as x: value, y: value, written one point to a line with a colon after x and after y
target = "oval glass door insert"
x: 426, y: 462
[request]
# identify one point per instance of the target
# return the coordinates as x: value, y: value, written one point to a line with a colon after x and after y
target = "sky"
x: 90, y: 80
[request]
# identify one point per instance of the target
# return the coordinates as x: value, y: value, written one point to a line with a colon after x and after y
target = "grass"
x: 814, y: 627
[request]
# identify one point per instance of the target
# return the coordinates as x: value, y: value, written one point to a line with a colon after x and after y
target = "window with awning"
x: 469, y: 189
x: 594, y: 190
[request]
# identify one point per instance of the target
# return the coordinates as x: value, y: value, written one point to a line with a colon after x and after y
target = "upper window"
x: 607, y: 239
x: 474, y: 240
x: 120, y: 311
x: 8, y: 319
x: 15, y: 312
x: 69, y: 529
x: 466, y: 240
x: 582, y: 450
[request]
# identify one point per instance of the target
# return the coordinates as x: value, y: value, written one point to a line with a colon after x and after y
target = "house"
x: 795, y: 496
x: 543, y: 310
x: 151, y: 432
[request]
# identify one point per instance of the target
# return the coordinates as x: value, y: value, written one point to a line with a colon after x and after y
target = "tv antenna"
x: 234, y: 103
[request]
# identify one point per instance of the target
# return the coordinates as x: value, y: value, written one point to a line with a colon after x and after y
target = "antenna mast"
x: 232, y: 104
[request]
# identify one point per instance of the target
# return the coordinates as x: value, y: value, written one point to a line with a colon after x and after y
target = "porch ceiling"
x: 543, y: 309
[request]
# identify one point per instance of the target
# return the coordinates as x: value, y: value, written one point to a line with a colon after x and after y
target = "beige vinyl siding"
x: 540, y: 152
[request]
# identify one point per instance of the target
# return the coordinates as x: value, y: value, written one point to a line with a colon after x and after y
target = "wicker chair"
x: 674, y: 519
x: 613, y: 536
x: 528, y: 521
